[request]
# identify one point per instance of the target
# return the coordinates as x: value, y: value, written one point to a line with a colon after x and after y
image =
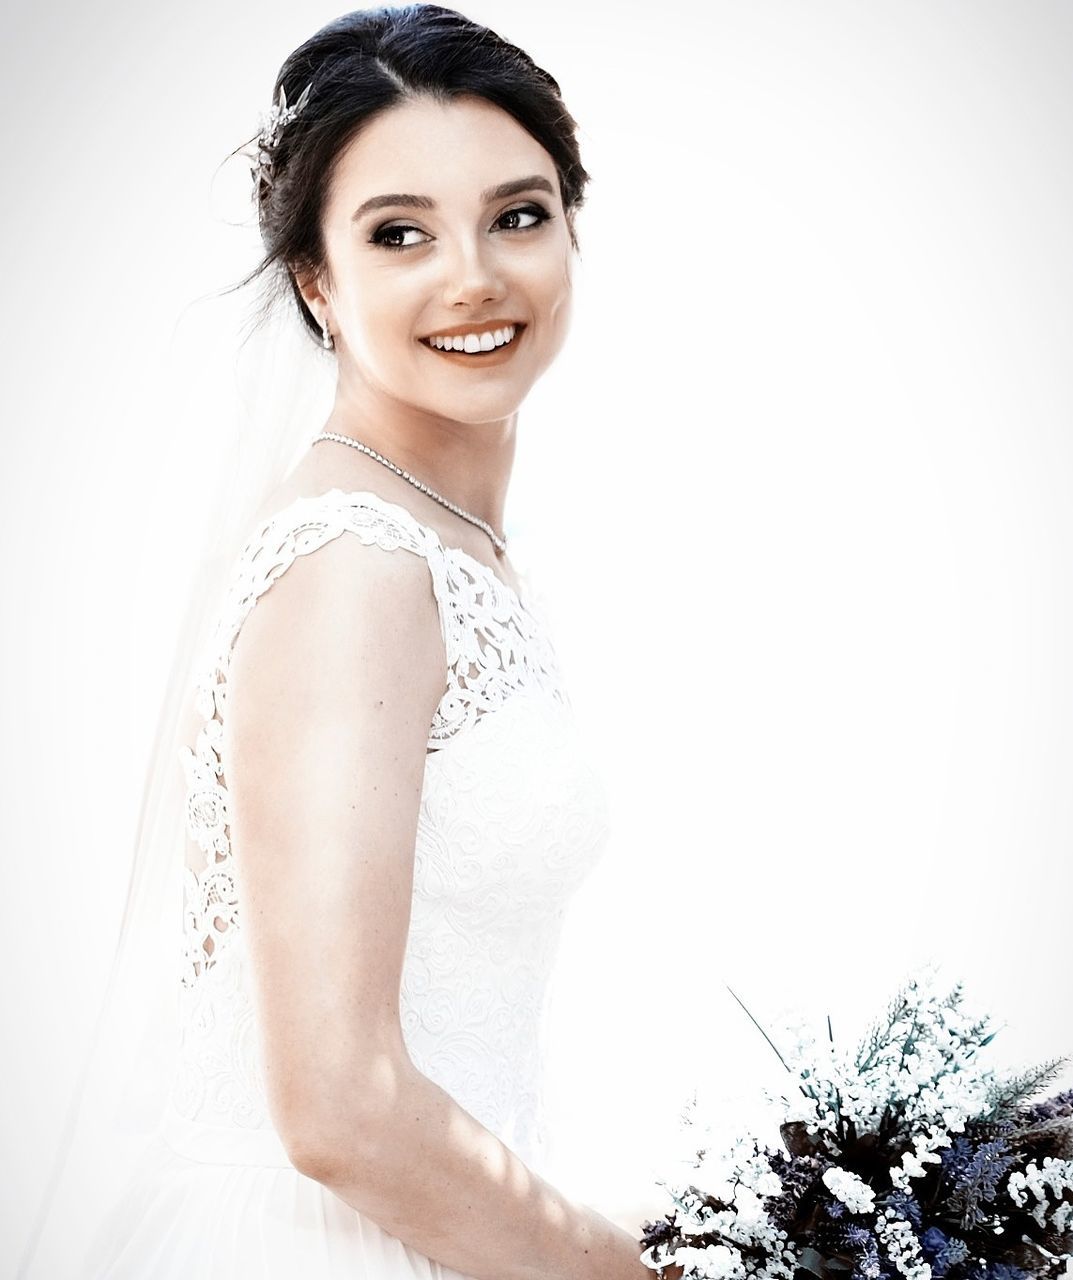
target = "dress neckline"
x: 457, y: 552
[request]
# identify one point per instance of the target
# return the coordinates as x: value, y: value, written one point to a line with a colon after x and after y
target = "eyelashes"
x: 379, y: 236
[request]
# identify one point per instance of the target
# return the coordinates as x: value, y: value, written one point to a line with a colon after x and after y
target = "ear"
x: 312, y: 288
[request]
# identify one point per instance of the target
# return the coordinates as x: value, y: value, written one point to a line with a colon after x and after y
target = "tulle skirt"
x: 213, y: 1204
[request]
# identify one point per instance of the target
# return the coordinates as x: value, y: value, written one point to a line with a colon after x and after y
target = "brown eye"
x: 381, y: 236
x: 533, y: 211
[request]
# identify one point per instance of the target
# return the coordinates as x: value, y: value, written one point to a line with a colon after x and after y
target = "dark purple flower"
x: 905, y: 1204
x: 1056, y: 1108
x: 933, y: 1242
x: 869, y: 1266
x: 942, y: 1253
x: 976, y: 1180
x: 1005, y: 1271
x: 955, y: 1157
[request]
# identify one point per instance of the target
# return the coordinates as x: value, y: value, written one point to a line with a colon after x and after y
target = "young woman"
x: 387, y: 804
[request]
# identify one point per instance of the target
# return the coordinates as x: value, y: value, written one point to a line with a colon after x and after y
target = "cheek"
x: 560, y: 291
x: 548, y: 279
x: 382, y: 312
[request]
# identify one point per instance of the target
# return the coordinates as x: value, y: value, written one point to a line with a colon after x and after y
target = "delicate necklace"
x: 500, y: 543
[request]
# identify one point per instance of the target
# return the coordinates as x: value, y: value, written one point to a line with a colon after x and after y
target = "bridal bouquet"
x: 901, y: 1159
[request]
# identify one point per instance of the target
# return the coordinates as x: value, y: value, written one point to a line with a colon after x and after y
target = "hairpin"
x: 271, y: 125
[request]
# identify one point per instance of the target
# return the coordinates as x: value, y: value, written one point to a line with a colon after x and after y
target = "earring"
x: 326, y: 342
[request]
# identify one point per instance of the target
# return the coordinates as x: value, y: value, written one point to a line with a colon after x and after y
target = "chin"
x: 482, y: 402
x: 477, y: 410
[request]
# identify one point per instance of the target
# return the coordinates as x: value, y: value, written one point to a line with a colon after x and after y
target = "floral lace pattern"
x: 511, y: 820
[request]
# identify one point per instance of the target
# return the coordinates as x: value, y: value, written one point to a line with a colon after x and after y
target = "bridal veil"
x: 261, y: 389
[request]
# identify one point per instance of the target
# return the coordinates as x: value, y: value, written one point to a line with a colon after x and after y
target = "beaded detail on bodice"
x: 512, y: 818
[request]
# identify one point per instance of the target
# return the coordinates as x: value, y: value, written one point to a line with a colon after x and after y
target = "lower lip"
x: 480, y: 359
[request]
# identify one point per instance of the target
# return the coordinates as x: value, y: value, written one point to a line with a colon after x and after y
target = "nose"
x: 471, y: 275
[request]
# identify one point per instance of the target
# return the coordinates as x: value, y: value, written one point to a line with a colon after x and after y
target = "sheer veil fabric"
x: 257, y: 395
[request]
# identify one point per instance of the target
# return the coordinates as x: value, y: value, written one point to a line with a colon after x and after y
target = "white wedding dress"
x: 512, y: 819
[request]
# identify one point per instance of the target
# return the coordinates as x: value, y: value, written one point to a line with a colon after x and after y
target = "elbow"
x: 337, y: 1133
x: 324, y: 1161
x: 332, y: 1155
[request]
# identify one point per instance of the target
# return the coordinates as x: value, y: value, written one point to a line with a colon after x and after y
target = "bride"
x: 386, y: 804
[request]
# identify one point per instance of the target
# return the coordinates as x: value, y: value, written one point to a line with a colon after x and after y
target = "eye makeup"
x: 379, y: 236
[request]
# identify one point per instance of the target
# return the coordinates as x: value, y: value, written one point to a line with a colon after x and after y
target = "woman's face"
x: 446, y: 219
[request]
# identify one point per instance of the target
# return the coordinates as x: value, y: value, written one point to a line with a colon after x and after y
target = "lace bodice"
x: 511, y: 820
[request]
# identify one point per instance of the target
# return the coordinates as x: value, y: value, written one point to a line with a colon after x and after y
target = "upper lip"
x: 460, y: 330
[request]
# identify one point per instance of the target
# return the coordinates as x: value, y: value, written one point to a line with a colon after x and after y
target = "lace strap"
x: 496, y: 647
x: 300, y: 528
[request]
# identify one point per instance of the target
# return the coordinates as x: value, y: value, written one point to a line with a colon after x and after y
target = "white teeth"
x: 474, y: 342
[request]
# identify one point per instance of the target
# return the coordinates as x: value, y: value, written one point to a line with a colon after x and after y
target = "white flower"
x: 856, y: 1195
x: 723, y: 1262
x: 768, y: 1184
x: 715, y: 1262
x: 800, y: 1109
x: 901, y: 1245
x: 1055, y: 1175
x: 748, y: 1204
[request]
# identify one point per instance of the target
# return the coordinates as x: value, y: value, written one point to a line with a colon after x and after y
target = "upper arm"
x: 332, y: 685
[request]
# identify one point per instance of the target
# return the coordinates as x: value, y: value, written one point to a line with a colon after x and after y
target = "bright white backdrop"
x: 798, y: 491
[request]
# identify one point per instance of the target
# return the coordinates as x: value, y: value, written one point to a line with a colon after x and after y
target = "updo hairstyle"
x: 362, y: 64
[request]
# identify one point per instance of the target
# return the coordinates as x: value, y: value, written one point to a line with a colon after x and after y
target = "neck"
x: 468, y: 463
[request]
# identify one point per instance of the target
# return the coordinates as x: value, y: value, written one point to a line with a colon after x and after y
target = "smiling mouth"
x: 476, y: 346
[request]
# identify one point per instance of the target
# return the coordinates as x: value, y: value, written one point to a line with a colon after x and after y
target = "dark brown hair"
x: 362, y: 64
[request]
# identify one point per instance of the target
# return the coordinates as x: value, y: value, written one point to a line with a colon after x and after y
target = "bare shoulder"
x: 347, y: 630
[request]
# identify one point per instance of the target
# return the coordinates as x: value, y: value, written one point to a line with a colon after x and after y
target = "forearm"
x: 444, y: 1184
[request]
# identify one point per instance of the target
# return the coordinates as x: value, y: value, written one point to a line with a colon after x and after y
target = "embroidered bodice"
x: 512, y: 818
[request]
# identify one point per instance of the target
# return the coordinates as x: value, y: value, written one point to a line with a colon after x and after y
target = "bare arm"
x: 333, y: 684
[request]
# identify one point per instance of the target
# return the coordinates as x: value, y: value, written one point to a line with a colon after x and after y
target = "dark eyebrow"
x: 533, y: 183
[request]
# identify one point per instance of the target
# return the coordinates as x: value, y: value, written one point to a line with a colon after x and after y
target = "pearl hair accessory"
x: 272, y: 123
x: 500, y: 543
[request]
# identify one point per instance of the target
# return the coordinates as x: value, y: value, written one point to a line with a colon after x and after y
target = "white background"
x: 798, y: 491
